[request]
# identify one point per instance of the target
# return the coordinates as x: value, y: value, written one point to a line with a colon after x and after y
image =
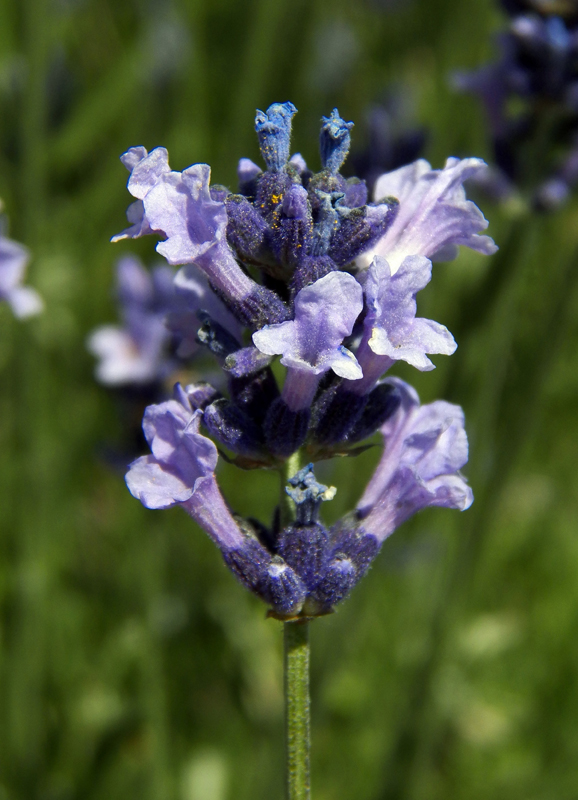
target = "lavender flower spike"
x: 299, y: 234
x: 311, y: 344
x: 25, y: 302
x: 434, y: 215
x: 425, y: 447
x: 180, y: 471
x: 392, y: 332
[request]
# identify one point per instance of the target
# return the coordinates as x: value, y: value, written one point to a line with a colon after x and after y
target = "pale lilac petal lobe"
x: 147, y: 172
x: 433, y: 337
x: 401, y: 182
x: 275, y: 339
x: 180, y: 207
x: 163, y: 425
x: 136, y: 215
x: 132, y: 157
x: 154, y: 485
x: 346, y: 365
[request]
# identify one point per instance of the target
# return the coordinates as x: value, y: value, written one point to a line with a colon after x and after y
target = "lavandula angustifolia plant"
x: 318, y: 275
x: 530, y: 97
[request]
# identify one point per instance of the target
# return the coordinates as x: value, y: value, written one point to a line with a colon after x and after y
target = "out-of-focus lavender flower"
x: 568, y: 9
x: 14, y: 258
x: 393, y: 139
x: 137, y: 352
x: 193, y: 296
x: 300, y: 265
x: 534, y: 147
x: 159, y: 312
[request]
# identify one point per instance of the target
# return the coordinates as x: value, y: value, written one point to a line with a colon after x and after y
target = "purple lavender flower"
x: 425, y: 447
x: 311, y: 344
x: 179, y: 206
x: 434, y: 215
x: 160, y: 316
x: 24, y: 301
x: 180, y: 471
x: 336, y: 300
x: 136, y: 352
x: 391, y: 330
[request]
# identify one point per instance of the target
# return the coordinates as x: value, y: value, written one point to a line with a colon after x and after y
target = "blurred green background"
x: 132, y: 665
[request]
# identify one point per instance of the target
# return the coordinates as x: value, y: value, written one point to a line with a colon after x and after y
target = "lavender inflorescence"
x: 304, y: 266
x: 530, y: 95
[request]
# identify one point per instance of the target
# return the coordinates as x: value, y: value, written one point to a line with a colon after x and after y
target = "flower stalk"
x: 286, y: 504
x: 296, y: 676
x: 297, y: 709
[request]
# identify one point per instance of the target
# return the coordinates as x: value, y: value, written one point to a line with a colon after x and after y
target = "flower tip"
x: 334, y: 141
x: 467, y: 498
x: 335, y: 125
x: 273, y: 128
x: 132, y: 157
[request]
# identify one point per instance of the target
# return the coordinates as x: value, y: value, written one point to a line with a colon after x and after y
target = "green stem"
x: 297, y: 709
x: 296, y: 669
x: 286, y: 505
